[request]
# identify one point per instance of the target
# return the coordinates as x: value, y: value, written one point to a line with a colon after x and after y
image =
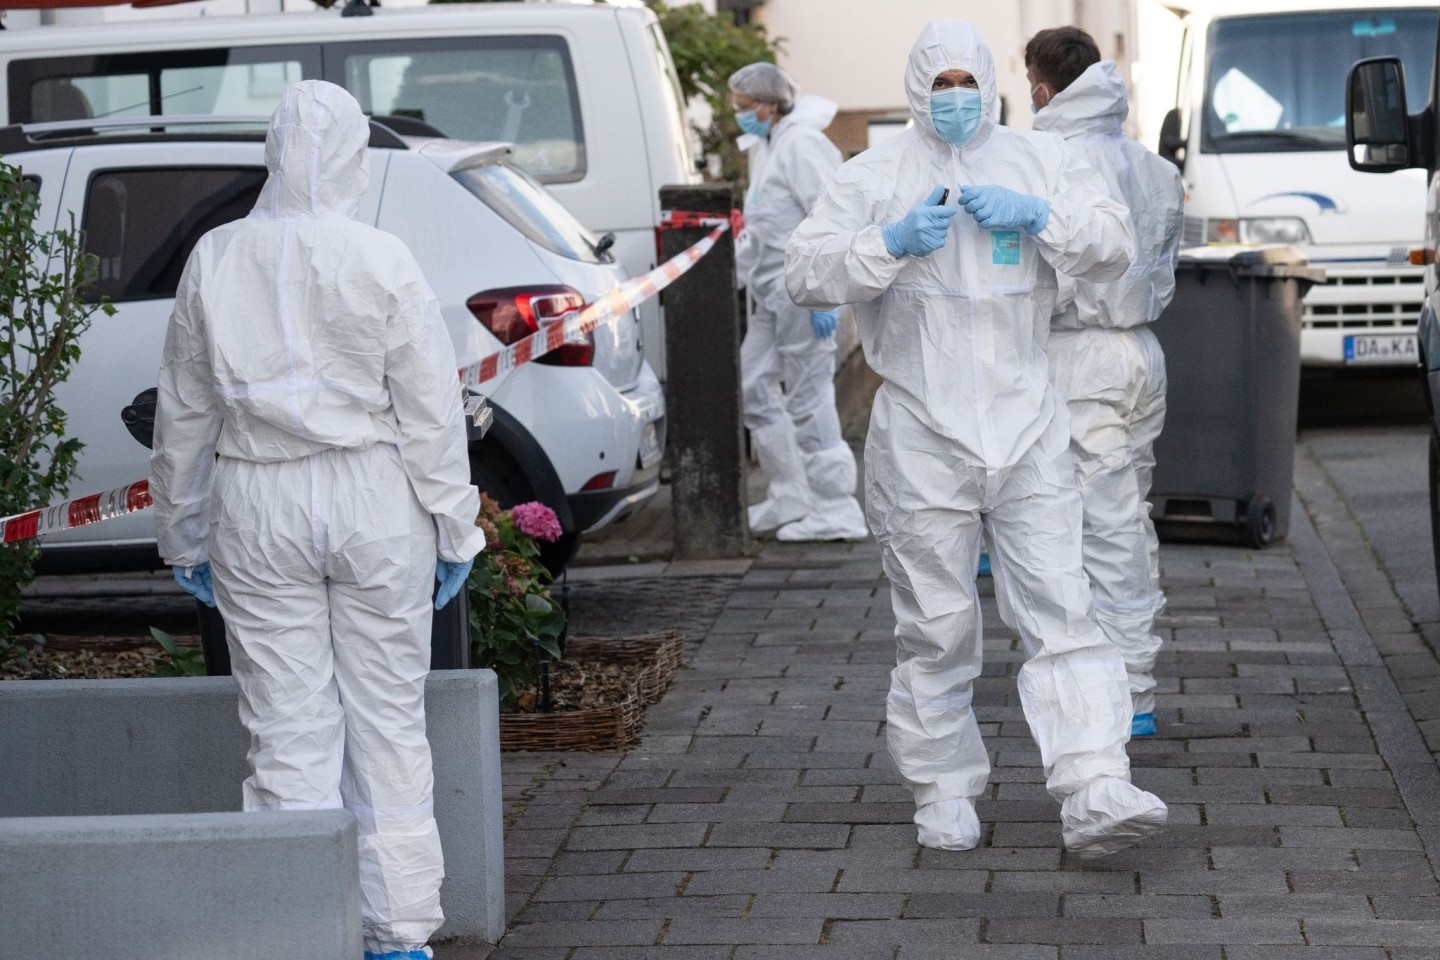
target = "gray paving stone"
x: 690, y: 858
x: 690, y: 930
x: 1275, y: 952
x: 667, y: 952
x: 778, y: 880
x: 598, y: 933
x: 1164, y: 951
x: 1406, y: 908
x: 1349, y: 838
x: 731, y: 907
x: 1223, y: 931
x: 811, y: 836
x: 977, y: 951
x: 910, y: 933
x: 1390, y: 933
x: 983, y: 905
x: 1062, y: 931
x: 842, y: 906
x: 636, y: 837
x: 823, y: 952
x: 867, y: 879
x: 615, y: 886
x: 1293, y: 905
x: 1139, y: 907
x: 715, y: 812
x: 1062, y: 882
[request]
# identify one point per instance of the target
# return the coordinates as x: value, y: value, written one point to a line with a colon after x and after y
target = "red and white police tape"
x: 134, y: 497
x: 616, y: 303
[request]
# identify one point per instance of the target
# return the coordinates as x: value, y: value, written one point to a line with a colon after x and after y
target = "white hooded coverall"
x: 1108, y: 366
x: 967, y: 433
x: 310, y: 444
x: 796, y: 434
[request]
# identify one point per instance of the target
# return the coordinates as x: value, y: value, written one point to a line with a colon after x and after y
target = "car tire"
x: 1435, y: 504
x: 496, y: 473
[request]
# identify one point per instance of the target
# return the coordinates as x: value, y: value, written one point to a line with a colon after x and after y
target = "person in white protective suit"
x: 1105, y: 360
x: 310, y: 447
x: 796, y: 433
x: 968, y: 434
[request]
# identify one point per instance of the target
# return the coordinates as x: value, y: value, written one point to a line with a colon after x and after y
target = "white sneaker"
x: 948, y: 825
x: 1108, y: 815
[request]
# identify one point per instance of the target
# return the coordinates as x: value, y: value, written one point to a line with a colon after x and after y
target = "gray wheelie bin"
x: 1225, y: 463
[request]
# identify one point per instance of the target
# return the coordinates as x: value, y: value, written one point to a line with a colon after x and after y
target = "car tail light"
x: 601, y: 481
x: 513, y: 313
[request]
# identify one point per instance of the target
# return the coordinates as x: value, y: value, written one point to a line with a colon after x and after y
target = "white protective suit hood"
x: 1090, y: 114
x: 315, y: 150
x: 950, y: 45
x: 1096, y: 103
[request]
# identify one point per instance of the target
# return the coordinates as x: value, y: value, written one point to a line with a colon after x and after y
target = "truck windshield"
x: 1277, y: 82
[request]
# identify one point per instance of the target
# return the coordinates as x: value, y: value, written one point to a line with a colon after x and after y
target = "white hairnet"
x: 764, y: 82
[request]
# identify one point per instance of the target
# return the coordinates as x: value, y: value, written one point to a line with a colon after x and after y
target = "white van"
x: 1259, y: 134
x: 587, y: 93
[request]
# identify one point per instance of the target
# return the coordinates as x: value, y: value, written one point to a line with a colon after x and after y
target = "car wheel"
x: 1435, y: 504
x: 496, y: 473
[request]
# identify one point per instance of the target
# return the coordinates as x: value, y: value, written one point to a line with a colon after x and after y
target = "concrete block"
x: 79, y: 748
x: 223, y: 886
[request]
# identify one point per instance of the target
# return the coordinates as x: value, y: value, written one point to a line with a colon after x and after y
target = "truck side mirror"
x: 1172, y: 141
x: 1376, y: 121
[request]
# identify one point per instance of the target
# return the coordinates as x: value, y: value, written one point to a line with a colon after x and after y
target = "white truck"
x: 1258, y: 132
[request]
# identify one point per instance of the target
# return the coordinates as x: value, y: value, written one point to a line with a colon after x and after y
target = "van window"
x: 517, y: 89
x: 1277, y: 82
x: 142, y: 224
x: 240, y: 81
x: 527, y: 207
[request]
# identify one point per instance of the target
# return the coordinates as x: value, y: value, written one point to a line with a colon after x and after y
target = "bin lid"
x: 1270, y: 260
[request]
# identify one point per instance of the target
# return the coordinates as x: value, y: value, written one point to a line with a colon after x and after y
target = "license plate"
x: 1394, y: 348
x: 649, y: 446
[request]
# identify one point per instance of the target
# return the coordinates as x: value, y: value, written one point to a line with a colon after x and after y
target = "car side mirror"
x: 1376, y: 121
x: 139, y: 417
x: 1172, y: 141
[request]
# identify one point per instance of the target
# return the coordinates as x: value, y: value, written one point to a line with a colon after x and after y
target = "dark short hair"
x: 1061, y: 54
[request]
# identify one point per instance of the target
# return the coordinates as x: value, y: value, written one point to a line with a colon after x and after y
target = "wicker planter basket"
x: 611, y: 727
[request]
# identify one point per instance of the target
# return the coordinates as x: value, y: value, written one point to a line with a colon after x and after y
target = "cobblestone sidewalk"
x: 761, y: 817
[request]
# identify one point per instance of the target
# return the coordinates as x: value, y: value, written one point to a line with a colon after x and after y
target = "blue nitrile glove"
x: 921, y: 231
x: 998, y: 208
x: 823, y: 323
x: 197, y: 584
x: 452, y: 577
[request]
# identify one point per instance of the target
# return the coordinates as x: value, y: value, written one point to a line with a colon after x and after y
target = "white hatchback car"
x: 581, y: 429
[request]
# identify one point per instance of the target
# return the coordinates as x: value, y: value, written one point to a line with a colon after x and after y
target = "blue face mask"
x: 956, y: 114
x: 752, y: 124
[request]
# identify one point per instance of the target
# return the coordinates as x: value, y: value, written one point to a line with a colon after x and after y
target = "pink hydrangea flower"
x: 536, y: 520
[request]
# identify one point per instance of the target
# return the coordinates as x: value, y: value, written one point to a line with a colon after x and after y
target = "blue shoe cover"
x: 399, y: 955
x: 984, y: 570
x: 1142, y: 725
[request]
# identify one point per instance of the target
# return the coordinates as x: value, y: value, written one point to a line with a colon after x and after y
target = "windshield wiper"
x: 1278, y: 136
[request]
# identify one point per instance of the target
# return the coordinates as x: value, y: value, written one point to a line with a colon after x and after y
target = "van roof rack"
x: 385, y: 132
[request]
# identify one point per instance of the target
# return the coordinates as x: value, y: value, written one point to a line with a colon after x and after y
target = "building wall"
x: 847, y: 51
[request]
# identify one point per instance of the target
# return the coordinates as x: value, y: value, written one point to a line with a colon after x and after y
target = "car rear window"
x: 520, y: 90
x: 142, y: 224
x: 525, y: 205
